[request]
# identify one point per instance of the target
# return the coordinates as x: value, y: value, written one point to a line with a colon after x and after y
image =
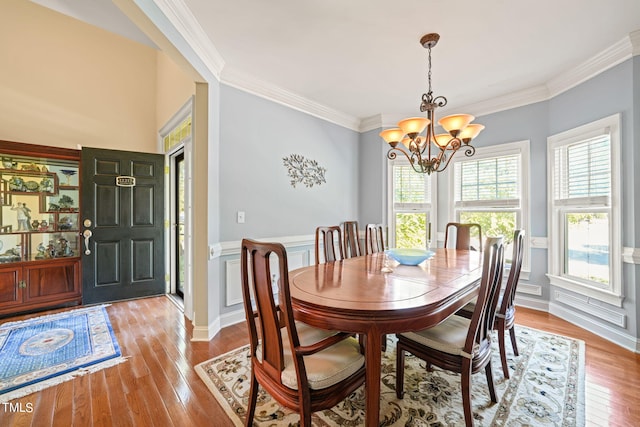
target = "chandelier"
x: 459, y: 130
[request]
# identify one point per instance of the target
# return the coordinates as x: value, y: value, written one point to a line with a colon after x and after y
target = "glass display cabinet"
x: 39, y: 227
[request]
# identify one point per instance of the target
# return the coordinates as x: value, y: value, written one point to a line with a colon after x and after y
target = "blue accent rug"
x: 44, y: 351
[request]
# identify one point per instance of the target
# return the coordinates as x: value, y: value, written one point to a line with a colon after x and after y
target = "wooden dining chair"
x: 373, y: 238
x: 463, y: 235
x: 351, y: 239
x: 329, y: 243
x: 505, y: 309
x: 459, y: 344
x: 303, y: 368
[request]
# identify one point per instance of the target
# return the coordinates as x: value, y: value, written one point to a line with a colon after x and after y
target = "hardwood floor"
x: 157, y: 386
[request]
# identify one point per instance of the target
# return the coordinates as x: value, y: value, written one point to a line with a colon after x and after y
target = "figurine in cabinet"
x: 11, y: 255
x: 64, y: 249
x: 65, y: 223
x: 51, y: 251
x: 65, y: 202
x: 31, y: 167
x: 24, y: 215
x: 41, y: 251
x: 46, y: 185
x: 16, y: 184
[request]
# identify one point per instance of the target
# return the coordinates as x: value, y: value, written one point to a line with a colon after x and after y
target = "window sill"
x: 588, y: 291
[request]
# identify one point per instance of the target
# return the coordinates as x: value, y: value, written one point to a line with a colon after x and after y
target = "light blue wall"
x: 255, y: 134
x: 634, y: 176
x: 608, y: 93
x: 371, y: 184
x: 519, y: 124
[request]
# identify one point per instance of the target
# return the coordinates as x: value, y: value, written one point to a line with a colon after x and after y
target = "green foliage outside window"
x: 411, y: 230
x: 493, y: 223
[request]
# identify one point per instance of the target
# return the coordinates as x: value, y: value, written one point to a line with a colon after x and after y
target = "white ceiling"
x: 363, y: 58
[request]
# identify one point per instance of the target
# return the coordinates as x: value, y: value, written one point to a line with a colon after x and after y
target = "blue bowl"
x: 409, y: 256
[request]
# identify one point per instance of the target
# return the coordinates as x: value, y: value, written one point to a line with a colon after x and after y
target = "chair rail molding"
x: 232, y: 247
x: 631, y: 255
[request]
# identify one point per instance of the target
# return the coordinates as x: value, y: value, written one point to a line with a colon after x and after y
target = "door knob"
x: 87, y: 234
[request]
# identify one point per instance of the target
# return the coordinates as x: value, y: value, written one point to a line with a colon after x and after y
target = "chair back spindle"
x: 374, y: 238
x: 329, y: 244
x: 463, y: 235
x: 351, y: 239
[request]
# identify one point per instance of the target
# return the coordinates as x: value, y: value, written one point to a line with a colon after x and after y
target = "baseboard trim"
x: 532, y: 303
x: 206, y: 333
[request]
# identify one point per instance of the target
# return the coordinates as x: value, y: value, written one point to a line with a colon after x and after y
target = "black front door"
x: 122, y: 224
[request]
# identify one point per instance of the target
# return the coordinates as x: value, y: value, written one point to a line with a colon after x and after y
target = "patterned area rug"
x: 47, y: 350
x: 546, y: 389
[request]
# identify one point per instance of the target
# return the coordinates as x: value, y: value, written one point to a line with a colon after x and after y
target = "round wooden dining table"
x: 355, y: 295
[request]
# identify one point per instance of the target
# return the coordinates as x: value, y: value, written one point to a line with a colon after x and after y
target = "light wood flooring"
x: 158, y: 386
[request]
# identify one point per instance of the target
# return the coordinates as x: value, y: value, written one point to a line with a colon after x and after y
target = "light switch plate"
x: 240, y: 217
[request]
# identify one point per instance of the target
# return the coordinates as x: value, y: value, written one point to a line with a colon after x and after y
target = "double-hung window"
x: 411, y: 206
x: 491, y: 189
x: 584, y: 213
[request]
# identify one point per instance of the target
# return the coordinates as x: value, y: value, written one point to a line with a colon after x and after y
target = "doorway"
x: 178, y: 199
x: 123, y: 225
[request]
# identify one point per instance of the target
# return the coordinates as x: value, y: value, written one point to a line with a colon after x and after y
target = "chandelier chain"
x: 429, y: 73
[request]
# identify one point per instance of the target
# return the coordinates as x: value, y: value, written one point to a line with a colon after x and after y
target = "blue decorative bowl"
x: 409, y: 256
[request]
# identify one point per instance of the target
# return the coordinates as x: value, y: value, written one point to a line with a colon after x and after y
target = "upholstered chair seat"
x: 448, y: 337
x: 325, y: 368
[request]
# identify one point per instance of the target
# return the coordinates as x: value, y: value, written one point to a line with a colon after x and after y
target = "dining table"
x: 360, y: 295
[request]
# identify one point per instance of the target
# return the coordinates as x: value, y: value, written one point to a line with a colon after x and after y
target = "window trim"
x: 431, y: 206
x: 613, y: 293
x: 521, y: 148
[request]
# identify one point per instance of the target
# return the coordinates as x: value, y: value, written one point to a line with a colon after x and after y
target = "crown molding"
x: 189, y: 28
x: 506, y: 102
x: 602, y: 61
x: 370, y: 123
x: 635, y: 42
x: 250, y: 84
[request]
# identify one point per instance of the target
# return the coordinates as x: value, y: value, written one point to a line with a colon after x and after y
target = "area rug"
x: 546, y: 389
x: 47, y: 350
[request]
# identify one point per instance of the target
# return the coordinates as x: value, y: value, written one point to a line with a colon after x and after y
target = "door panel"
x: 127, y: 225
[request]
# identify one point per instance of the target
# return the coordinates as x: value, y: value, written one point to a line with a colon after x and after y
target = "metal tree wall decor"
x: 305, y: 171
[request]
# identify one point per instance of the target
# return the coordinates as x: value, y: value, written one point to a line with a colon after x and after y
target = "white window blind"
x: 410, y: 189
x: 583, y: 172
x: 489, y: 181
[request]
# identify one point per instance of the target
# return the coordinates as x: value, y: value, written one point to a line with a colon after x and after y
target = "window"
x: 491, y: 189
x: 411, y: 207
x: 584, y: 213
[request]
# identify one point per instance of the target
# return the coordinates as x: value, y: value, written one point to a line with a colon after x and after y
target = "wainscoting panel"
x: 526, y: 288
x: 581, y: 302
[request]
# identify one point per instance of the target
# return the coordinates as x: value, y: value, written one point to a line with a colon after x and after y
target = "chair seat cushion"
x: 325, y: 368
x: 448, y: 337
x: 471, y: 306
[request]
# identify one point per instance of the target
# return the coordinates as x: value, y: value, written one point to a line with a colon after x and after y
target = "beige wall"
x: 174, y: 89
x: 65, y: 83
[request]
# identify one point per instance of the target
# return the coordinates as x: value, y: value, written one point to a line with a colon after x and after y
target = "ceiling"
x: 362, y: 57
